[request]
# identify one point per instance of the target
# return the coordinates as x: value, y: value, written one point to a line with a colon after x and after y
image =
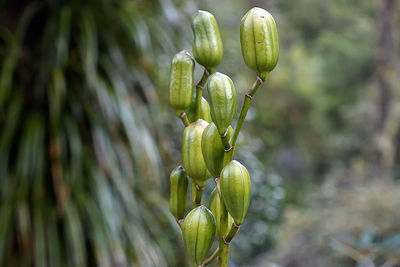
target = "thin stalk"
x: 225, y: 141
x: 184, y: 119
x: 243, y: 112
x: 228, y: 155
x: 234, y: 229
x: 211, y: 258
x: 199, y: 93
x: 223, y: 223
x: 197, y: 193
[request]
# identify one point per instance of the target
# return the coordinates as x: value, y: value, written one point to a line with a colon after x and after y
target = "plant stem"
x: 223, y: 247
x: 197, y: 193
x: 184, y: 119
x: 199, y: 93
x: 211, y: 258
x: 234, y: 229
x: 228, y: 156
x: 243, y: 112
x: 225, y: 141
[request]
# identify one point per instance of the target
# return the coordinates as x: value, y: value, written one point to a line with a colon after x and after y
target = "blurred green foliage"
x: 81, y: 176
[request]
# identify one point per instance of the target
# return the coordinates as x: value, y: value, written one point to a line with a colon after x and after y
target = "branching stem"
x: 243, y: 112
x: 228, y: 156
x: 197, y: 193
x: 211, y: 258
x: 225, y: 141
x: 234, y: 229
x: 223, y: 224
x: 223, y: 246
x: 184, y: 119
x: 199, y: 93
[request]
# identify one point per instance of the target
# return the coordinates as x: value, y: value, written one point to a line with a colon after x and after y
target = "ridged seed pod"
x: 215, y: 204
x: 181, y: 84
x: 222, y: 97
x: 198, y: 233
x: 205, y: 110
x: 213, y: 149
x: 192, y: 156
x: 259, y: 40
x: 207, y: 44
x: 178, y: 200
x: 236, y: 190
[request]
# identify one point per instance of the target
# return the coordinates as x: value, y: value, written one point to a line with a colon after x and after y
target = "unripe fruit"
x: 259, y: 40
x: 192, y: 156
x: 205, y: 110
x: 207, y: 45
x: 198, y: 233
x: 222, y: 96
x: 215, y: 204
x: 181, y: 85
x: 235, y: 189
x: 178, y: 200
x: 213, y: 149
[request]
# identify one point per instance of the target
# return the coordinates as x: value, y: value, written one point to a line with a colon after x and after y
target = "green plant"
x: 208, y: 148
x: 80, y: 168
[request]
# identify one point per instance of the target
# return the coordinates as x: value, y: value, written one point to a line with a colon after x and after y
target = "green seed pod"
x: 178, y: 200
x: 222, y: 96
x: 215, y: 209
x: 235, y: 189
x: 198, y: 233
x: 181, y: 85
x: 259, y: 40
x: 192, y: 156
x: 205, y: 110
x: 207, y: 45
x: 213, y: 149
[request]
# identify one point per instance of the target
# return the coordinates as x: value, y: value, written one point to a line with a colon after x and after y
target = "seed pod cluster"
x: 198, y: 233
x: 236, y: 190
x: 207, y: 44
x: 259, y: 41
x: 205, y: 110
x: 208, y: 141
x: 181, y: 84
x: 215, y: 205
x: 213, y: 149
x: 222, y: 94
x: 178, y: 202
x: 192, y: 155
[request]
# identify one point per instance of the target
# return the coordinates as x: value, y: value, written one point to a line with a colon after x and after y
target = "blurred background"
x: 87, y: 139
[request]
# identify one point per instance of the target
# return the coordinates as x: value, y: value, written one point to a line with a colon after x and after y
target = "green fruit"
x: 181, y: 85
x: 215, y: 209
x: 222, y: 97
x: 198, y: 233
x: 213, y: 149
x: 259, y: 40
x: 235, y: 189
x: 207, y: 44
x: 192, y: 156
x: 178, y: 200
x: 205, y: 110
